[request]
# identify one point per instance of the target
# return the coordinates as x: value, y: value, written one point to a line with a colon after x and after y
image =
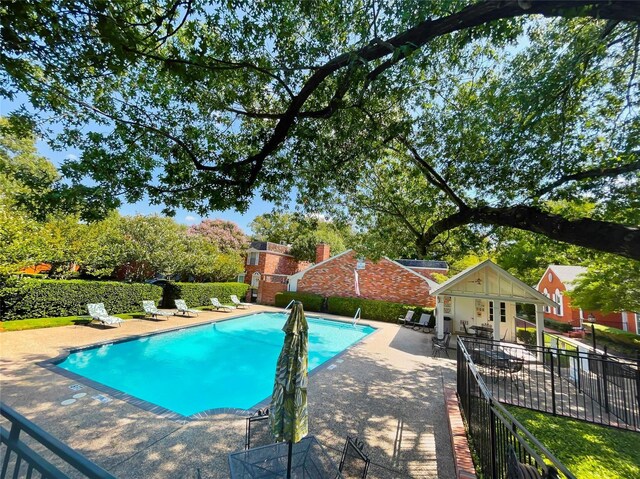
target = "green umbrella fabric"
x: 289, y: 419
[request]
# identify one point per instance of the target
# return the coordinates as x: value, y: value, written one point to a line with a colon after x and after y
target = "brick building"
x: 348, y: 275
x: 557, y: 280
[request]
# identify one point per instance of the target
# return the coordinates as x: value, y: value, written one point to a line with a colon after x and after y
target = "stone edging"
x: 461, y: 453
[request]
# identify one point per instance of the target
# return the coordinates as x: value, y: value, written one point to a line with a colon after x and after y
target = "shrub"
x: 558, y: 326
x: 527, y: 336
x: 372, y: 309
x: 200, y: 294
x: 618, y: 336
x: 35, y: 298
x: 310, y: 301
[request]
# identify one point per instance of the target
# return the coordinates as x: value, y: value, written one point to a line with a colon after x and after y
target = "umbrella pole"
x: 289, y: 460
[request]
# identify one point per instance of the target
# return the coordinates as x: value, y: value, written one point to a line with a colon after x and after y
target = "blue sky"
x: 258, y: 206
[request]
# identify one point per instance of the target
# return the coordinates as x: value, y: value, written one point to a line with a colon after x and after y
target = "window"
x: 503, y: 311
x: 546, y: 308
x: 255, y: 279
x: 637, y: 323
x: 558, y: 299
x: 252, y: 258
x: 360, y: 264
x: 241, y: 278
x: 550, y: 277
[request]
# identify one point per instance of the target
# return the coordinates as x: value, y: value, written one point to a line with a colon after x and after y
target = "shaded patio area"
x: 387, y: 390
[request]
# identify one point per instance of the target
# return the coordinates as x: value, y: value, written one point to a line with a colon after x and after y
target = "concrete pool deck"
x: 387, y: 390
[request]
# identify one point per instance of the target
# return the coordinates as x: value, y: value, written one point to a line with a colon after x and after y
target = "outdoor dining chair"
x: 354, y: 462
x: 258, y: 432
x: 439, y: 345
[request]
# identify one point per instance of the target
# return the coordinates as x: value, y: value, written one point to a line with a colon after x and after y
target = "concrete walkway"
x: 387, y: 390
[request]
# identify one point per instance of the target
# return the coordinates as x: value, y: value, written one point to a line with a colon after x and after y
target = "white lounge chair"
x: 238, y: 303
x: 407, y: 319
x: 181, y: 306
x: 218, y: 305
x: 98, y: 313
x: 150, y: 308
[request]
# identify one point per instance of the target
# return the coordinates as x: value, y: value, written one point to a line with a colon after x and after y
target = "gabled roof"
x: 423, y: 263
x: 294, y: 277
x: 508, y: 286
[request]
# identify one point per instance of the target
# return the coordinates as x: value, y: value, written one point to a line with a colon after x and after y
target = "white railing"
x: 356, y: 317
x: 289, y: 305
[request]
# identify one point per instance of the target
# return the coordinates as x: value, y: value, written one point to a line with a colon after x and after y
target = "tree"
x: 610, y: 284
x: 226, y: 235
x: 302, y: 232
x: 201, y: 105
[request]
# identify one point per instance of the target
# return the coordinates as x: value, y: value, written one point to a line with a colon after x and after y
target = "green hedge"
x: 372, y: 309
x: 200, y: 294
x: 36, y: 298
x: 558, y: 326
x: 527, y: 336
x: 310, y: 301
x: 618, y: 336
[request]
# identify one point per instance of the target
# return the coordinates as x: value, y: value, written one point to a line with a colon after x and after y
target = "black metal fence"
x: 495, y: 434
x: 20, y: 460
x: 579, y: 384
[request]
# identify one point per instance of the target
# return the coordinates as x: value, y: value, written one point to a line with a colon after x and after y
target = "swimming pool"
x: 228, y: 364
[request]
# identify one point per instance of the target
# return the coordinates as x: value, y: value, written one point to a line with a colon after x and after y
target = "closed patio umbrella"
x: 289, y: 419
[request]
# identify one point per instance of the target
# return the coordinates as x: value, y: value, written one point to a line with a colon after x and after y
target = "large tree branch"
x: 599, y: 235
x: 423, y: 33
x: 595, y: 173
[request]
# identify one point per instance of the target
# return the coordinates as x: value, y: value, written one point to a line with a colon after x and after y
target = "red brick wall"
x: 569, y: 314
x: 267, y: 292
x: 383, y: 280
x: 270, y: 263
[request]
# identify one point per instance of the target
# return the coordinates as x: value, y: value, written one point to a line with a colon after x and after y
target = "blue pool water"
x: 226, y: 364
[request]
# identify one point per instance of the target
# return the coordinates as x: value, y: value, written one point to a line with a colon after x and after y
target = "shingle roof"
x: 423, y: 263
x: 567, y: 274
x: 268, y: 246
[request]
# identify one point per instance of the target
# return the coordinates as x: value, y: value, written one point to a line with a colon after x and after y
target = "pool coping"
x: 52, y: 365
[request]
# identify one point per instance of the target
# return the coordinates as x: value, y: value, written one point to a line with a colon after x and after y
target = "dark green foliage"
x: 310, y: 301
x: 35, y: 298
x: 629, y: 342
x: 558, y: 326
x: 372, y: 309
x: 527, y: 336
x: 200, y: 294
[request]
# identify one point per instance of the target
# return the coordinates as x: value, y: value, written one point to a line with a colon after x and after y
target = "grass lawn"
x: 589, y: 451
x: 22, y: 324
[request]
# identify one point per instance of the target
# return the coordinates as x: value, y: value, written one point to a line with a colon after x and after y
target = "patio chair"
x: 237, y: 303
x: 407, y: 319
x: 258, y: 429
x: 99, y: 313
x: 181, y: 306
x: 439, y: 345
x: 427, y: 322
x: 354, y: 462
x: 218, y: 305
x: 150, y: 309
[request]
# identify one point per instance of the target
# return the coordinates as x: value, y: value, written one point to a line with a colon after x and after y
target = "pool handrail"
x: 356, y: 317
x: 286, y: 308
x: 34, y: 461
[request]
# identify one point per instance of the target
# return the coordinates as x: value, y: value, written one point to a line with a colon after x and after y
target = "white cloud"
x: 72, y: 157
x: 190, y: 218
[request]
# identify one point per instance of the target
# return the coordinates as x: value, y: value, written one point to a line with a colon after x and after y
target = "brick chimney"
x: 323, y: 251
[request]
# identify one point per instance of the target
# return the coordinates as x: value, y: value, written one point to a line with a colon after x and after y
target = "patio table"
x: 309, y: 461
x: 482, y: 331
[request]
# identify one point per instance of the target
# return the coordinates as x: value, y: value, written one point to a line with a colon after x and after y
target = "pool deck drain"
x: 387, y: 390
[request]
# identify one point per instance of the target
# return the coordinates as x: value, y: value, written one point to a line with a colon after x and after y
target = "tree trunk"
x: 598, y: 235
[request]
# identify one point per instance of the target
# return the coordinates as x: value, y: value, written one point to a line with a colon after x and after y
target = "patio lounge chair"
x: 427, y: 322
x: 218, y: 305
x: 354, y: 462
x: 439, y: 345
x: 181, y: 306
x: 407, y: 320
x: 98, y: 313
x: 150, y: 308
x: 238, y: 303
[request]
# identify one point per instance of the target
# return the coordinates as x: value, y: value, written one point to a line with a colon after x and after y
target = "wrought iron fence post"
x: 494, y: 441
x: 553, y: 383
x: 638, y: 378
x: 605, y: 380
